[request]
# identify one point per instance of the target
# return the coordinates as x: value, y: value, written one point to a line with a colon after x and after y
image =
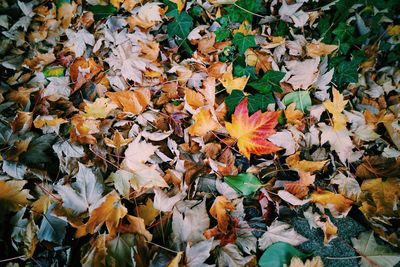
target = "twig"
x: 248, y: 11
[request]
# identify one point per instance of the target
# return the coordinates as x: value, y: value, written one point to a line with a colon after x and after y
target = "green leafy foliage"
x: 279, y: 254
x: 302, y: 99
x: 243, y: 42
x: 269, y: 82
x: 180, y: 27
x: 256, y: 102
x: 244, y: 183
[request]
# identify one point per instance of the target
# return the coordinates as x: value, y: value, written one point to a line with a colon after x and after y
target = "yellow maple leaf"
x: 294, y: 162
x: 336, y: 203
x: 336, y: 108
x: 12, y: 196
x: 100, y: 108
x: 147, y: 212
x: 110, y: 212
x: 231, y: 83
x: 393, y: 30
x: 50, y: 120
x: 194, y: 99
x: 117, y: 141
x: 203, y: 123
x: 251, y: 131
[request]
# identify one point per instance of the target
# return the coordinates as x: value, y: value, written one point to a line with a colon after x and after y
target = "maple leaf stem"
x: 13, y: 258
x: 48, y: 192
x: 103, y: 158
x: 343, y: 258
x: 167, y: 249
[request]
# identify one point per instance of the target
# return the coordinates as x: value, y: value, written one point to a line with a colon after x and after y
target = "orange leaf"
x: 320, y: 49
x: 219, y: 210
x: 336, y: 203
x: 295, y: 163
x: 110, y: 212
x: 204, y: 123
x: 131, y: 101
x: 251, y: 132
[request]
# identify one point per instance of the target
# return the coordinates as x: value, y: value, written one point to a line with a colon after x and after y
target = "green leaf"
x: 302, y: 99
x: 60, y: 2
x: 244, y: 183
x: 279, y: 254
x: 243, y: 42
x: 53, y: 71
x: 269, y: 82
x: 344, y: 31
x: 240, y: 71
x: 221, y: 34
x: 100, y: 12
x: 242, y: 10
x: 180, y: 27
x: 256, y: 102
x: 370, y: 250
x: 346, y: 72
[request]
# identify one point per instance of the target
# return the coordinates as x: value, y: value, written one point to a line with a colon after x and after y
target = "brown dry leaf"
x: 336, y: 203
x: 147, y: 212
x: 65, y: 13
x: 217, y: 69
x: 110, y: 212
x: 51, y: 121
x: 40, y: 60
x: 193, y: 98
x: 12, y: 196
x: 219, y: 210
x: 19, y: 147
x: 295, y: 163
x: 320, y: 49
x: 244, y: 28
x: 97, y: 252
x: 131, y: 101
x: 230, y: 83
x: 22, y: 122
x: 203, y: 123
x: 300, y: 188
x: 117, y: 141
x: 90, y: 67
x: 136, y: 226
x: 293, y: 115
x: 41, y: 205
x: 21, y: 96
x: 378, y: 167
x: 83, y: 129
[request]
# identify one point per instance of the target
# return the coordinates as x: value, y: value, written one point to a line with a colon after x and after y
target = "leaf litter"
x: 199, y: 133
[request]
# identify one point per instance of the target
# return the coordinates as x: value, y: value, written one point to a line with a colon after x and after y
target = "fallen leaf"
x: 251, y: 132
x: 219, y: 210
x: 12, y: 194
x: 230, y: 83
x: 204, y: 123
x: 336, y: 108
x: 320, y: 49
x: 100, y: 108
x: 338, y: 205
x: 110, y: 212
x: 131, y: 101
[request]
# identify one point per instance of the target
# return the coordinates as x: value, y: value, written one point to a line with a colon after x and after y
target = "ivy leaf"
x: 255, y: 102
x: 346, y: 72
x: 301, y: 98
x: 244, y: 183
x: 269, y: 82
x: 243, y: 42
x: 101, y: 11
x: 221, y: 34
x: 279, y: 254
x: 181, y: 26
